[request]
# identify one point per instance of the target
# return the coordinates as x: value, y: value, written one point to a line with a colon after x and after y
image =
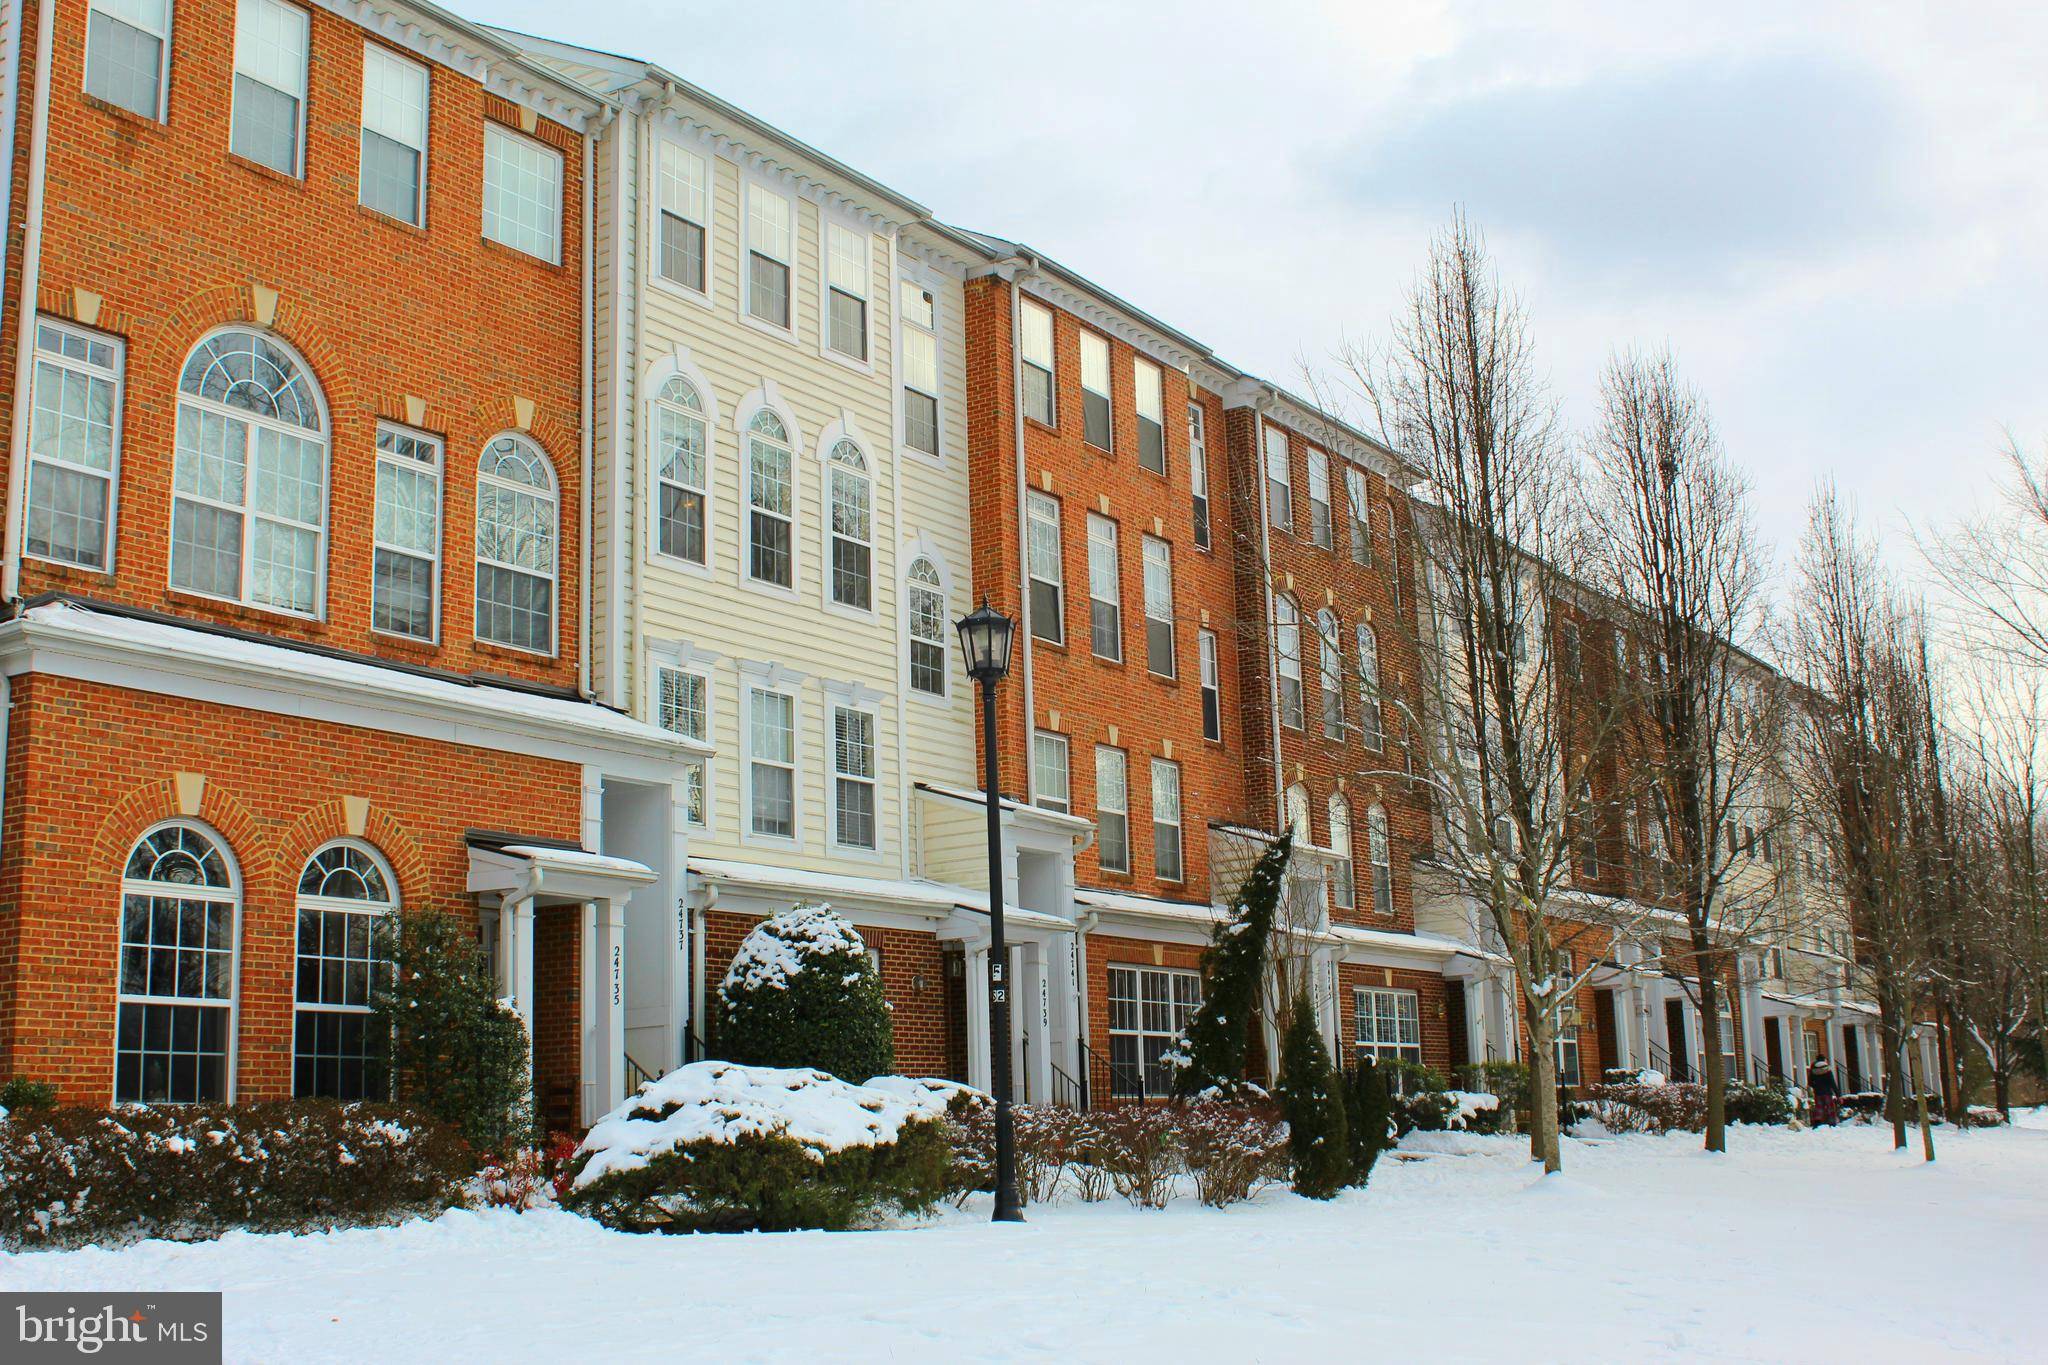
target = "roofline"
x: 484, y: 35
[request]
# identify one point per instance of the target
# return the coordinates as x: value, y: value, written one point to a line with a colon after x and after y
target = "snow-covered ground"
x: 1795, y: 1246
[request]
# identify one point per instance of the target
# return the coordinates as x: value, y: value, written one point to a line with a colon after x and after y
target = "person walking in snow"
x: 1827, y: 1093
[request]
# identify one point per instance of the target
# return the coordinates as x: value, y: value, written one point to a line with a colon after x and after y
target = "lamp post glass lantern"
x: 985, y: 635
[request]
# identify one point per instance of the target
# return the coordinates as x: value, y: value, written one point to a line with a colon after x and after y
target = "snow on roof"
x: 1403, y: 943
x: 919, y: 892
x: 580, y: 860
x: 980, y: 799
x: 1156, y: 907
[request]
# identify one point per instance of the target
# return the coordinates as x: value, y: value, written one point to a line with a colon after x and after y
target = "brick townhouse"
x: 294, y: 383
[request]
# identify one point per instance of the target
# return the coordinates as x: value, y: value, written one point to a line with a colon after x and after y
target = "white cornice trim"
x: 1107, y: 319
x: 510, y: 78
x: 789, y: 175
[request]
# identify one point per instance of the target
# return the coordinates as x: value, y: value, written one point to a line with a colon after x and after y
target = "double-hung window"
x: 770, y: 501
x: 846, y: 290
x: 406, y: 575
x: 1151, y: 417
x: 338, y: 1049
x: 1036, y: 328
x: 1568, y: 1054
x: 1112, y: 810
x: 1166, y: 862
x: 1048, y: 590
x: 771, y: 763
x: 684, y: 206
x: 919, y: 318
x: 522, y: 193
x: 853, y: 537
x: 1358, y: 515
x: 683, y: 707
x: 679, y: 452
x: 1212, y: 686
x: 1343, y: 889
x: 1049, y: 780
x: 1570, y: 659
x: 1287, y: 644
x: 770, y: 249
x: 268, y: 123
x: 1332, y: 673
x: 1159, y: 607
x: 1279, y: 480
x: 1387, y: 1025
x: 127, y: 54
x: 73, y: 445
x: 1380, y: 856
x: 1370, y: 732
x: 1320, y: 523
x: 853, y: 777
x: 394, y: 152
x: 1105, y: 590
x: 1198, y: 473
x: 927, y: 604
x: 1148, y: 1008
x: 515, y: 546
x: 1096, y: 428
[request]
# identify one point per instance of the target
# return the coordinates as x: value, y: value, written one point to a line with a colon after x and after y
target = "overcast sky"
x: 1836, y: 215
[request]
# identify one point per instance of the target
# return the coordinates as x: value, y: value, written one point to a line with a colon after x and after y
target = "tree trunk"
x: 1543, y: 1135
x: 1713, y: 1062
x: 1889, y: 1029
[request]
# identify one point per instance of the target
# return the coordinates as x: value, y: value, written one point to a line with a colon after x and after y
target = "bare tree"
x: 1996, y: 565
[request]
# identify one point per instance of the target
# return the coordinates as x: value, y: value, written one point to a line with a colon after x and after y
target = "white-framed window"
x: 1212, y: 686
x: 771, y: 763
x: 74, y: 445
x: 1570, y: 656
x: 1166, y: 848
x: 515, y: 546
x: 393, y: 172
x: 681, y: 472
x: 337, y: 1053
x: 854, y: 818
x: 1343, y: 888
x: 1380, y: 855
x: 1568, y: 1054
x: 1148, y: 1008
x: 851, y: 495
x: 1331, y: 672
x: 918, y: 314
x: 128, y: 54
x: 405, y: 582
x: 771, y: 252
x: 1279, y: 480
x: 682, y: 705
x: 1387, y: 1025
x: 1151, y: 402
x: 1370, y: 732
x: 1287, y: 643
x: 1298, y: 825
x: 174, y: 1026
x: 1393, y: 557
x: 926, y: 598
x: 268, y: 122
x: 1049, y: 778
x: 846, y: 290
x: 771, y: 498
x: 1587, y: 822
x: 522, y: 193
x: 1159, y: 651
x: 1321, y: 524
x: 1097, y: 428
x: 683, y: 217
x: 1358, y: 515
x: 249, y: 482
x: 1043, y: 561
x: 1035, y: 326
x: 1112, y: 810
x: 1105, y: 590
x: 1198, y: 472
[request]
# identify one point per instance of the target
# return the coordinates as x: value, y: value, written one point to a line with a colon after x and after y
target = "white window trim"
x: 1330, y: 673
x: 1379, y: 839
x: 1034, y: 498
x: 1139, y: 365
x: 770, y: 397
x: 1345, y: 887
x: 680, y: 364
x: 1204, y: 660
x: 371, y: 910
x: 1145, y: 545
x: 1178, y: 824
x: 440, y: 526
x: 750, y: 186
x: 1284, y: 605
x: 119, y: 375
x: 554, y: 575
x: 931, y: 284
x: 1052, y: 365
x: 707, y: 297
x: 561, y: 188
x: 235, y: 894
x: 1129, y: 866
x: 907, y: 556
x: 163, y: 74
x: 1066, y: 746
x: 860, y: 227
x: 1369, y: 995
x: 1198, y: 473
x: 846, y: 429
x: 1141, y: 1033
x: 769, y: 678
x: 849, y: 698
x: 305, y: 82
x: 419, y: 220
x: 1114, y: 603
x: 1320, y: 460
x: 679, y: 656
x: 1267, y: 432
x: 1107, y: 393
x: 1371, y: 693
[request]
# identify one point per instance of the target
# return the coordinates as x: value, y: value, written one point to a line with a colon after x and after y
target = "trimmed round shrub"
x: 802, y: 992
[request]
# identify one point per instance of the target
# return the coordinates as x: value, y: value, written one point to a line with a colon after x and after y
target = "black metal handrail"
x: 1067, y: 1093
x: 637, y: 1076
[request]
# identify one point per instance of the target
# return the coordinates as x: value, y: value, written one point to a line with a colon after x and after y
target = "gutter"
x: 31, y: 285
x: 1272, y: 645
x: 589, y: 391
x: 1024, y: 549
x: 625, y: 143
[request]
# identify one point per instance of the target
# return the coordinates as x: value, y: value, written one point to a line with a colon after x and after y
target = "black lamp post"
x: 985, y: 644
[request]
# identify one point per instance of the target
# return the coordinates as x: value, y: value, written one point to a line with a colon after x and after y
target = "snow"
x: 581, y: 860
x: 1794, y: 1246
x: 782, y: 947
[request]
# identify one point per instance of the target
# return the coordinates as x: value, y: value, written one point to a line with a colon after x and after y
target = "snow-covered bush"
x: 1138, y: 1146
x: 1509, y: 1081
x: 529, y: 1178
x: 69, y: 1177
x: 718, y: 1147
x: 1638, y: 1107
x: 1231, y: 1149
x: 1759, y: 1103
x: 802, y: 992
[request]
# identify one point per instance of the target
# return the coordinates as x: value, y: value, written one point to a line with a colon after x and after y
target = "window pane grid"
x: 1147, y: 1010
x: 1049, y: 771
x: 1112, y: 810
x: 124, y: 59
x: 74, y: 406
x: 522, y: 193
x: 1159, y: 607
x: 176, y: 965
x: 772, y: 762
x: 853, y: 766
x: 1105, y: 607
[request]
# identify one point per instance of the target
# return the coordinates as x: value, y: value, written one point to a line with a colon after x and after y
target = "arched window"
x: 1341, y: 881
x: 1297, y: 815
x: 853, y: 526
x: 1382, y: 860
x: 680, y: 469
x: 515, y: 546
x: 1332, y: 673
x: 1370, y: 733
x: 771, y: 499
x: 174, y: 1024
x: 343, y: 889
x: 1287, y: 643
x: 927, y: 628
x: 249, y: 483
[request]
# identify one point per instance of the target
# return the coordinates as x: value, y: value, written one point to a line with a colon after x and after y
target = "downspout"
x: 1023, y: 532
x: 624, y: 545
x: 586, y: 422
x: 698, y: 919
x: 622, y: 269
x: 900, y: 626
x: 9, y: 123
x: 25, y: 300
x: 1272, y: 631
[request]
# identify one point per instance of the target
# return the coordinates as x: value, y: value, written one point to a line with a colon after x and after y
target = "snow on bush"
x: 802, y: 992
x: 1229, y: 1148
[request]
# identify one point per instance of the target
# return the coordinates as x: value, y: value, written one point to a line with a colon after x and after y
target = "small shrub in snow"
x: 1312, y: 1099
x: 21, y: 1096
x: 1636, y: 1107
x: 69, y: 1177
x: 1368, y: 1117
x: 530, y: 1178
x: 1759, y: 1103
x: 1048, y: 1140
x: 1231, y: 1149
x: 802, y: 992
x: 1509, y: 1081
x: 717, y: 1147
x: 1139, y: 1148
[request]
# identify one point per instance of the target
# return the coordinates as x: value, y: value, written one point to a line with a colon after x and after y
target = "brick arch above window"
x: 326, y: 822
x: 144, y: 807
x: 163, y: 349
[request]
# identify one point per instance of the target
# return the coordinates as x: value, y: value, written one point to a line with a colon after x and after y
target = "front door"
x: 1852, y: 1063
x: 1774, y: 1048
x: 1675, y: 1040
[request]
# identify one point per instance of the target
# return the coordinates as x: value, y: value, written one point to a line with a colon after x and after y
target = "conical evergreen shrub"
x: 1211, y: 1053
x: 1368, y: 1117
x: 1312, y: 1100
